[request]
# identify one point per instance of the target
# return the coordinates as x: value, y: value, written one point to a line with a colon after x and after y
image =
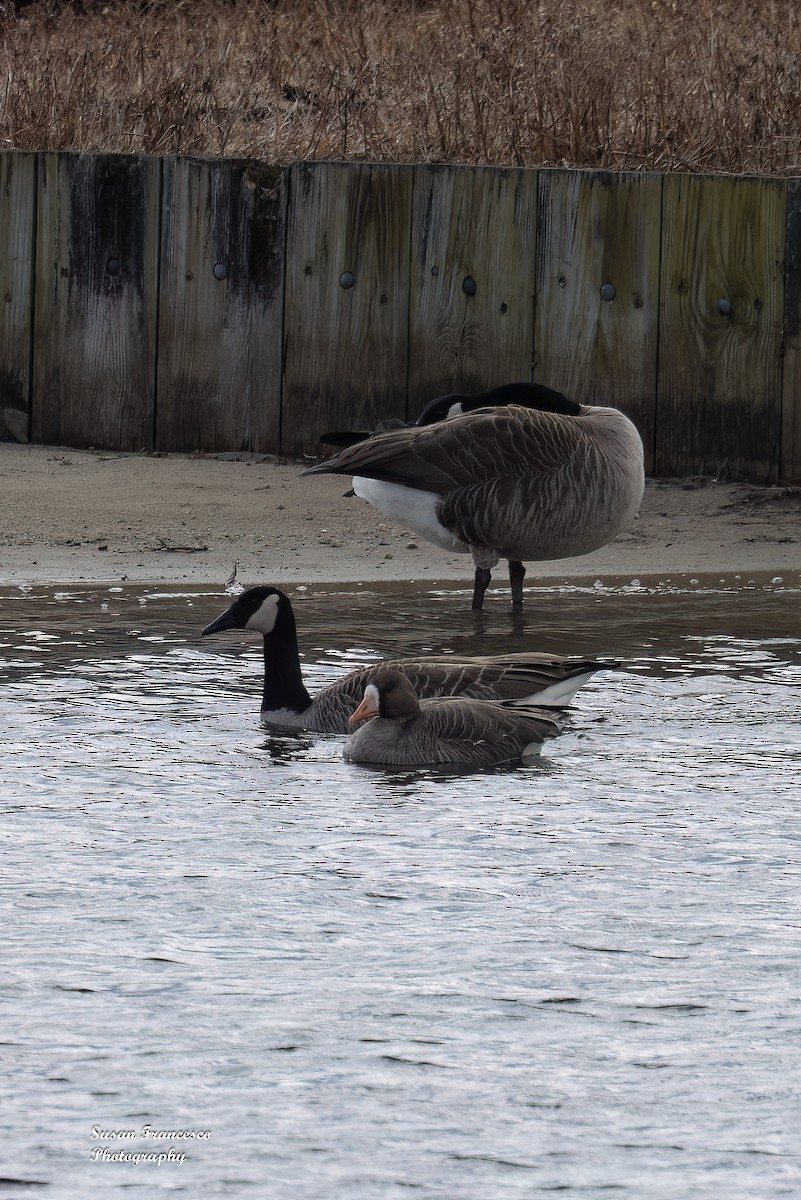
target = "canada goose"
x: 510, y: 482
x: 552, y: 681
x: 529, y: 395
x: 403, y: 730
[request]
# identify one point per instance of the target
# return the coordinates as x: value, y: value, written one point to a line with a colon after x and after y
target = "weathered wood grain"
x: 17, y: 228
x: 719, y: 381
x: 220, y: 306
x: 371, y: 289
x: 95, y: 300
x: 347, y: 299
x: 597, y: 310
x: 790, y: 462
x: 471, y: 317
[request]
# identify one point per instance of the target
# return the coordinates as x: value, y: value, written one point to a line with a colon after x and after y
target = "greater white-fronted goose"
x: 441, y: 408
x: 404, y: 731
x: 509, y: 482
x: 546, y: 680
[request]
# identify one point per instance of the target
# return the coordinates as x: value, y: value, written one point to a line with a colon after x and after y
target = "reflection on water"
x: 579, y: 975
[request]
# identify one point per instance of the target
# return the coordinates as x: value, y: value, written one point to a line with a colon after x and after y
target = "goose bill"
x: 366, y: 710
x: 224, y: 621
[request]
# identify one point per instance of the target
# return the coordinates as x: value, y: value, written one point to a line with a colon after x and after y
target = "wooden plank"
x: 95, y: 304
x: 597, y: 312
x: 790, y: 463
x: 471, y: 319
x: 220, y: 306
x: 347, y: 299
x: 722, y: 297
x: 17, y: 230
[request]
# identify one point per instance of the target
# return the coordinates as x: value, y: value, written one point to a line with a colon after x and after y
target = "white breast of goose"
x: 412, y: 507
x: 285, y: 718
x: 328, y: 711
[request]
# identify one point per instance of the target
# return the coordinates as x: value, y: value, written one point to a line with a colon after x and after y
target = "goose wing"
x: 546, y: 679
x: 504, y: 725
x: 475, y: 448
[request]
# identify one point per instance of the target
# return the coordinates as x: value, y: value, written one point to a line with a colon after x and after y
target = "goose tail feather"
x: 557, y: 694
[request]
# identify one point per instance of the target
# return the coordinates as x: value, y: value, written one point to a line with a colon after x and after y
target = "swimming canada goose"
x: 509, y: 482
x: 551, y: 681
x: 530, y: 395
x: 403, y: 730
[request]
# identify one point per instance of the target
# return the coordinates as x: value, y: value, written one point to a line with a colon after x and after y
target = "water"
x: 579, y: 976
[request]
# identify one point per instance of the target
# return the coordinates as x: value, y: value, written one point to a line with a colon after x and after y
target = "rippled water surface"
x: 579, y: 976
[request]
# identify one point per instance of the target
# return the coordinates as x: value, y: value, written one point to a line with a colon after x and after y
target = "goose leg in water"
x: 480, y: 586
x: 517, y: 573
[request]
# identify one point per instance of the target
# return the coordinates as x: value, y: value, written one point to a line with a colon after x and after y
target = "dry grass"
x: 698, y: 85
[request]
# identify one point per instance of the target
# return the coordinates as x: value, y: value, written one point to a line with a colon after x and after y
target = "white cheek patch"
x: 265, y: 616
x: 411, y: 507
x: 371, y: 697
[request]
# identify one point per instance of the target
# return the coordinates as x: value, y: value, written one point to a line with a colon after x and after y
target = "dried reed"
x: 695, y: 85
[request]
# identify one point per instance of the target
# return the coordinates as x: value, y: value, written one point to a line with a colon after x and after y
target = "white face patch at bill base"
x: 411, y: 507
x: 265, y: 616
x: 368, y: 708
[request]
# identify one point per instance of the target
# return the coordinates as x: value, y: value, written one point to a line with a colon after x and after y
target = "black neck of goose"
x: 283, y: 682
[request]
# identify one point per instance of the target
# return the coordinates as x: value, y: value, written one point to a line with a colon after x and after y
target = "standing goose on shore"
x: 402, y: 730
x: 543, y: 679
x: 442, y: 408
x: 509, y: 482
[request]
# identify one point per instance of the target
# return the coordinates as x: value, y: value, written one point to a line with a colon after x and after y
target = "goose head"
x: 455, y: 404
x: 264, y: 610
x: 529, y: 395
x: 388, y: 694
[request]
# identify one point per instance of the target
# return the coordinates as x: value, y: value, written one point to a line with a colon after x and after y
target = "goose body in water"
x: 442, y: 408
x: 403, y: 730
x: 510, y: 482
x: 544, y: 679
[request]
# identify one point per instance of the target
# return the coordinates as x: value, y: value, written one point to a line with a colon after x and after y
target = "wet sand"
x: 72, y: 516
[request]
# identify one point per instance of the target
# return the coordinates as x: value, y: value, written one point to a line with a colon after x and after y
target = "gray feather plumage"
x: 510, y: 677
x: 456, y: 731
x: 514, y: 482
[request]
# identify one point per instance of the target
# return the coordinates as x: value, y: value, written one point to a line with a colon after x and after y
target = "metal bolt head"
x: 113, y: 266
x: 469, y: 285
x: 724, y: 307
x: 347, y: 280
x: 608, y: 292
x: 220, y: 270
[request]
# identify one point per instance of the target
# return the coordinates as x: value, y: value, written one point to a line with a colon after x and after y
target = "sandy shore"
x: 71, y: 516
